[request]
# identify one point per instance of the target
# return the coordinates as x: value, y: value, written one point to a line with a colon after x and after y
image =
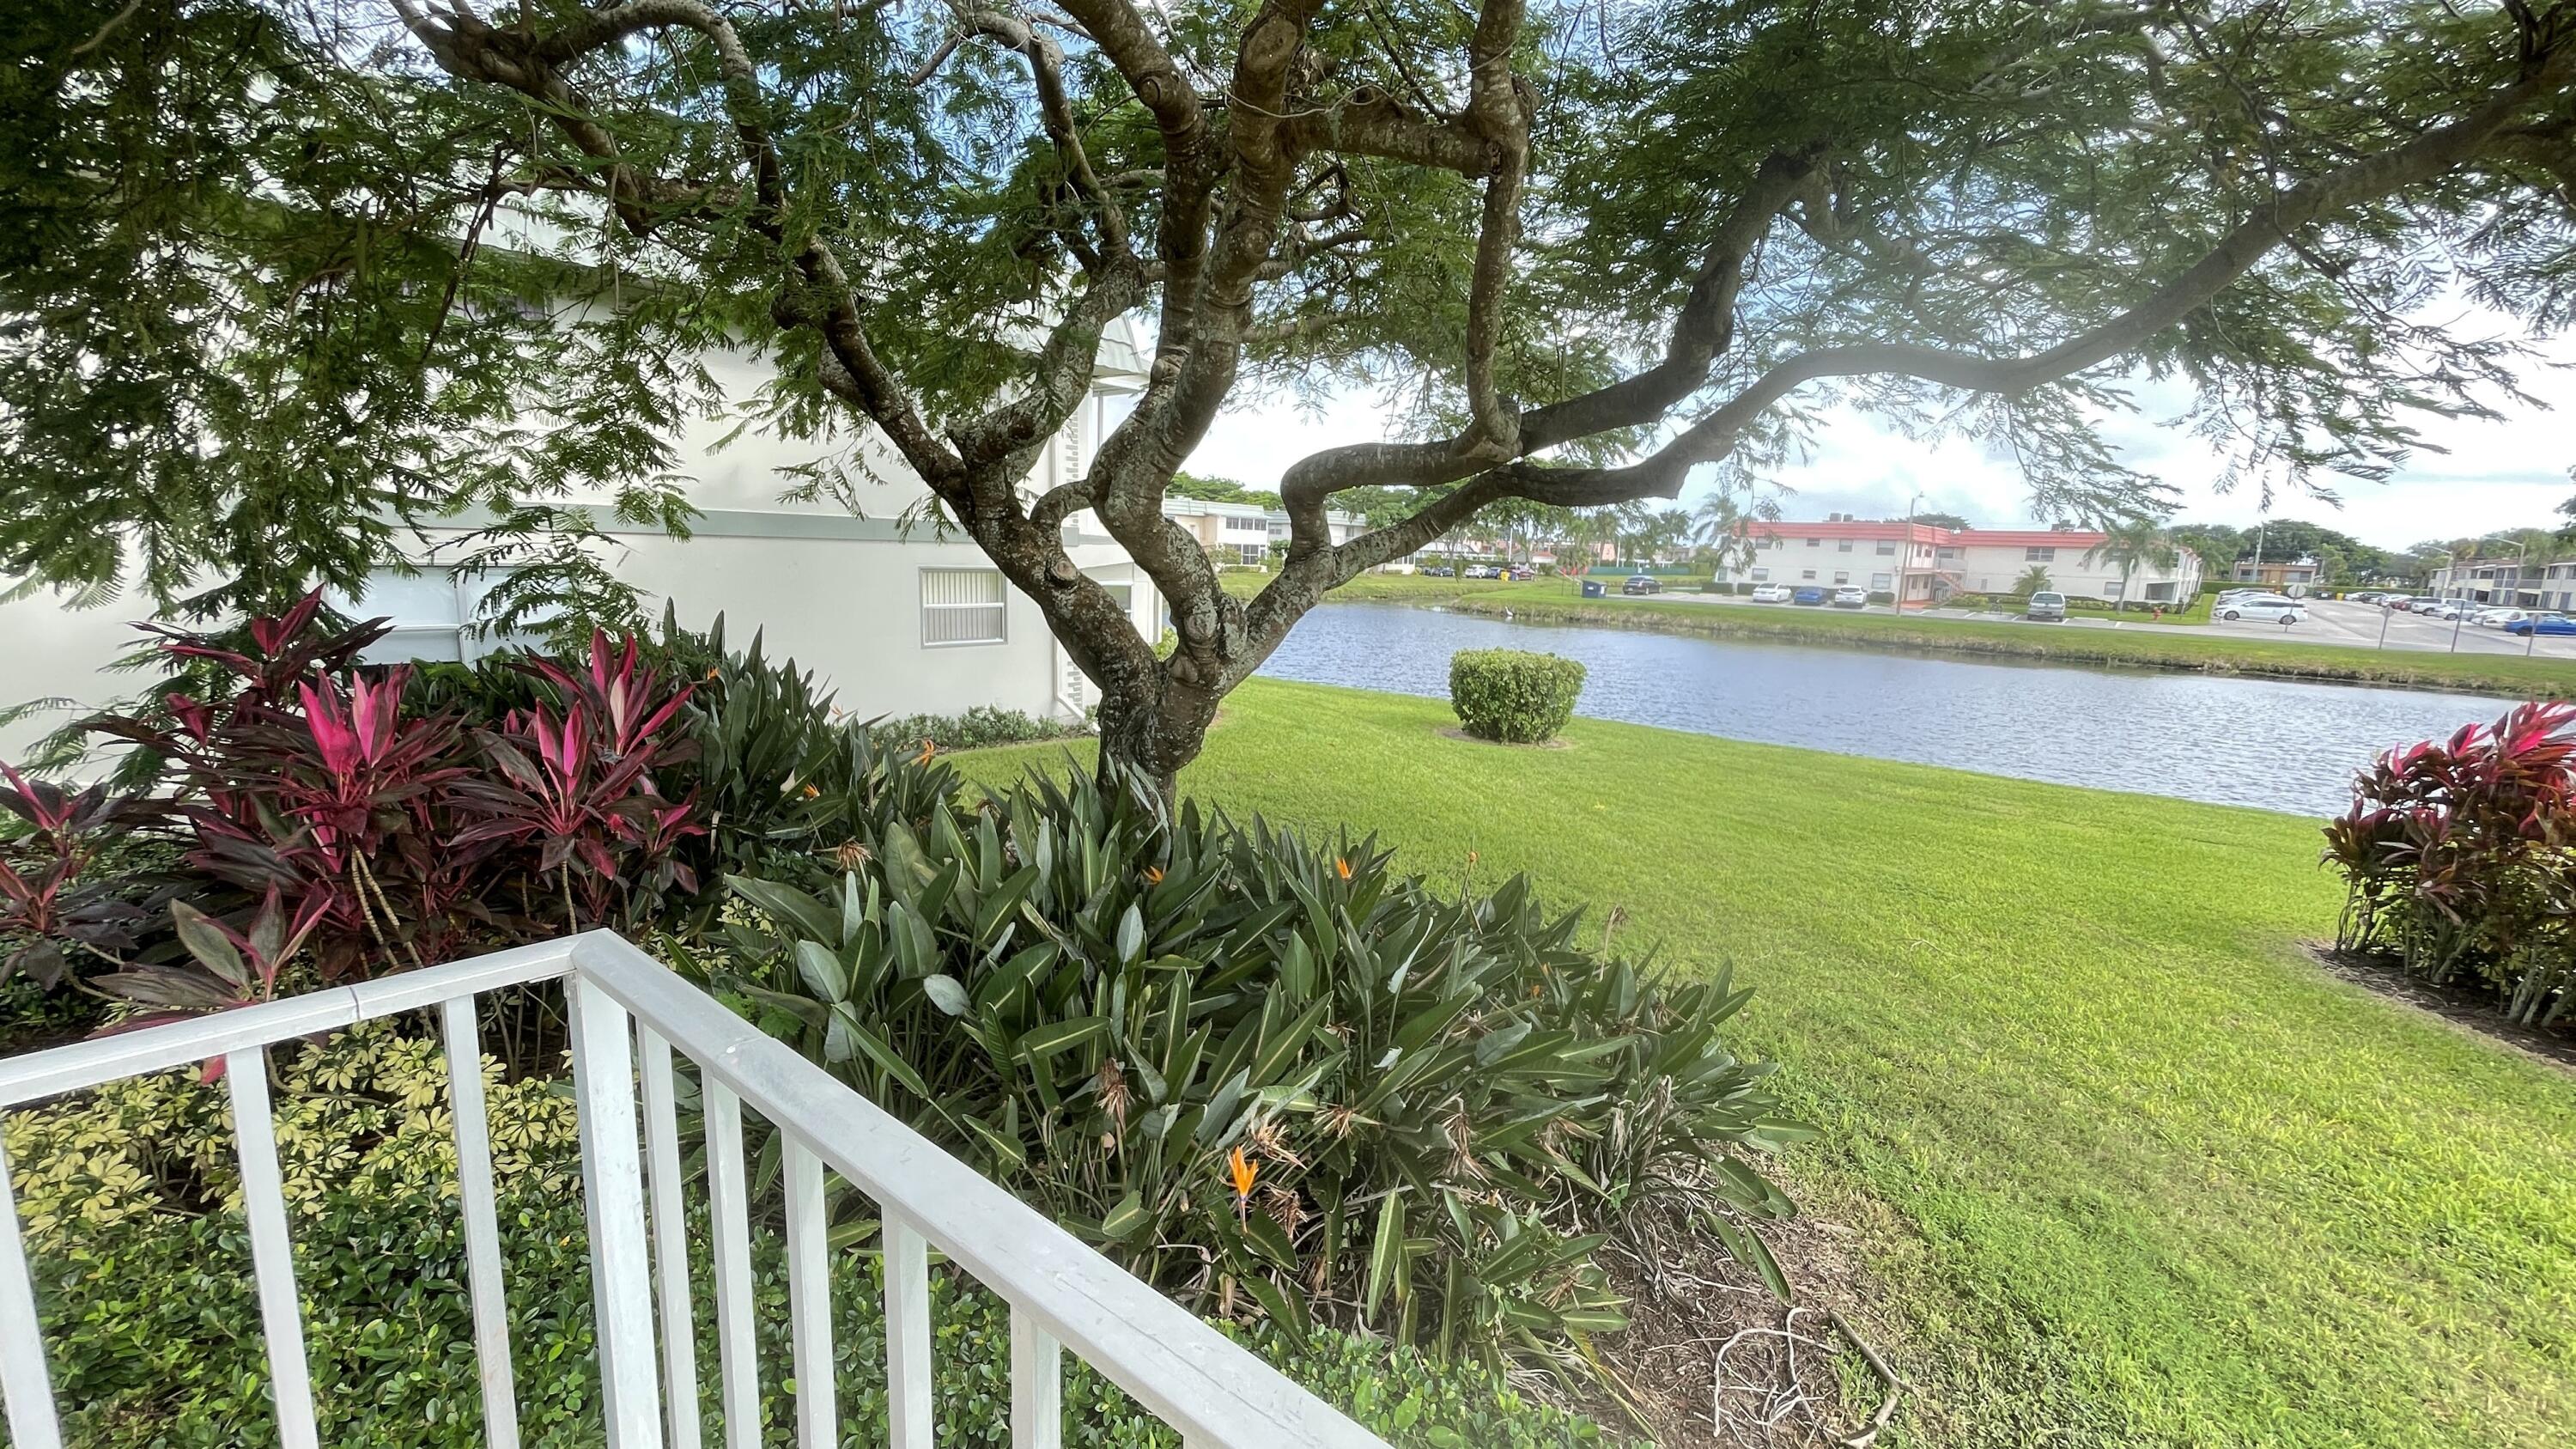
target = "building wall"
x: 840, y: 593
x: 1871, y: 555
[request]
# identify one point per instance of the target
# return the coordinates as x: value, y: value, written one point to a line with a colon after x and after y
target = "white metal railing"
x: 630, y: 1018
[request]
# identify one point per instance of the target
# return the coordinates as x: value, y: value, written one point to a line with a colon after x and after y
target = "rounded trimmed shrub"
x: 1513, y: 695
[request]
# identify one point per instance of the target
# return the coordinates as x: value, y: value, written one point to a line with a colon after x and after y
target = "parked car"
x: 2445, y: 610
x: 1807, y: 594
x: 1770, y: 593
x: 2542, y: 624
x: 1849, y: 598
x: 2422, y: 600
x: 2504, y: 618
x: 1483, y: 571
x: 1440, y: 571
x: 2270, y: 608
x: 1523, y: 573
x: 1641, y: 584
x: 2366, y: 596
x: 2047, y: 606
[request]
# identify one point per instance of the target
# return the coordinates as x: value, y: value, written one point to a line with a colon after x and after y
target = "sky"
x: 2489, y: 476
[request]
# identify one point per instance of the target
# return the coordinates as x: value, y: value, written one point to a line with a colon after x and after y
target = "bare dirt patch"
x: 1713, y: 1360
x: 2462, y: 1008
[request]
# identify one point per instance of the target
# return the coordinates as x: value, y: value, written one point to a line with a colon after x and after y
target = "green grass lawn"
x: 2133, y: 1171
x: 1553, y: 601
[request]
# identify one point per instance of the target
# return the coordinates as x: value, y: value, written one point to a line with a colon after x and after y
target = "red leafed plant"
x: 577, y: 784
x: 2459, y: 857
x: 322, y: 819
x: 48, y: 903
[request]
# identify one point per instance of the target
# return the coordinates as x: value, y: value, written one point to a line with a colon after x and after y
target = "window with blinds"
x: 961, y: 606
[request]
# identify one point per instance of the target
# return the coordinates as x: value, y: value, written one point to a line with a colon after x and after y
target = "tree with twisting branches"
x: 1594, y: 248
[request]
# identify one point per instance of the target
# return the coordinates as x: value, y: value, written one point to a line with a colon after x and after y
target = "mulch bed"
x: 2466, y: 1008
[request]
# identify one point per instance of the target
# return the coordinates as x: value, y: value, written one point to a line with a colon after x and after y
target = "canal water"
x: 2274, y: 744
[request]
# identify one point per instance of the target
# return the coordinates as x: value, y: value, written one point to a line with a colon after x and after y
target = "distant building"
x: 2558, y: 586
x: 1240, y: 534
x: 2508, y: 583
x: 1935, y: 563
x: 2282, y: 576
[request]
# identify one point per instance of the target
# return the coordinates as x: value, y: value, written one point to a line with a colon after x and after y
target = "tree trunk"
x: 1154, y: 726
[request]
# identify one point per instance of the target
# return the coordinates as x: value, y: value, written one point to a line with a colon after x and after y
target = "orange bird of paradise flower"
x: 929, y: 747
x: 1242, y: 1170
x: 1343, y: 866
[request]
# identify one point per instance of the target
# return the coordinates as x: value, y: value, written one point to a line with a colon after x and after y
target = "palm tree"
x: 2131, y: 543
x: 1663, y: 530
x: 1718, y: 525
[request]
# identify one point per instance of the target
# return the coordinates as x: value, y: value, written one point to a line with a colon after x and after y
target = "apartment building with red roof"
x: 1932, y: 563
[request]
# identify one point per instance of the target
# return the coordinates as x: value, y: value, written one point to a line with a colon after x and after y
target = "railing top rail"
x: 80, y: 1064
x: 1202, y: 1383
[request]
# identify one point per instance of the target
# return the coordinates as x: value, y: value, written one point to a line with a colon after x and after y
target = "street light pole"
x: 1905, y: 556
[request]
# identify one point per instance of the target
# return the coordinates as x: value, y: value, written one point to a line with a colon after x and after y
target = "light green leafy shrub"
x: 1512, y: 695
x: 151, y: 1316
x: 978, y: 728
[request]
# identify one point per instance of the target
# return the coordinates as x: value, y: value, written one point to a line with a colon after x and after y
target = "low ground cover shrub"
x: 2459, y: 859
x: 151, y: 1317
x: 1254, y: 1067
x: 976, y: 729
x: 1512, y: 695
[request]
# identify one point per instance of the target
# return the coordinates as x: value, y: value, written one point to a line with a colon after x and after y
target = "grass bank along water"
x: 2134, y: 1170
x: 1549, y: 601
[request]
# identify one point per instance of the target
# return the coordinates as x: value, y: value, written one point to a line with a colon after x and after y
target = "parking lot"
x: 2334, y: 622
x: 2329, y: 621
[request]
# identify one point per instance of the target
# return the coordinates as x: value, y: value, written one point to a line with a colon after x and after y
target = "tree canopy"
x: 294, y: 274
x: 1219, y: 490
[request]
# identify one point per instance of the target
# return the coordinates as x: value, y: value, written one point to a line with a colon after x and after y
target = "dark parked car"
x: 1442, y: 571
x: 1808, y: 594
x: 2544, y: 624
x: 1641, y: 584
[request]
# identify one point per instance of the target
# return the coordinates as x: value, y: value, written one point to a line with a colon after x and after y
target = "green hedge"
x: 151, y: 1317
x: 1513, y: 695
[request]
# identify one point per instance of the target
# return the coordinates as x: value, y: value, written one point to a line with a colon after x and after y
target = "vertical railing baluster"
x: 670, y: 1242
x: 1037, y: 1385
x: 24, y: 1382
x: 907, y: 1315
x: 272, y: 1253
x: 729, y: 1221
x: 483, y: 1279
x: 809, y: 1300
x: 612, y: 1181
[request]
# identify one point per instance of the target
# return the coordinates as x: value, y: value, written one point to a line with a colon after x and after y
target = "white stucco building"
x: 1934, y: 563
x: 898, y: 620
x: 1239, y: 535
